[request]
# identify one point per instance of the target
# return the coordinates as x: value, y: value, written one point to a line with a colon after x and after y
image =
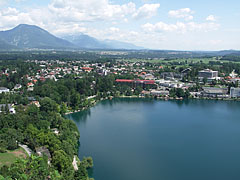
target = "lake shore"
x: 144, y: 97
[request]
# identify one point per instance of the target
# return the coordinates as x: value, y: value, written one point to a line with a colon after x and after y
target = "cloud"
x: 114, y: 29
x: 146, y: 11
x: 3, y: 2
x: 211, y: 18
x: 11, y: 17
x: 215, y: 42
x: 91, y: 10
x: 185, y: 13
x: 180, y: 27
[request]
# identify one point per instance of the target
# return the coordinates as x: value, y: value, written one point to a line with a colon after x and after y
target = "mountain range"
x: 33, y: 37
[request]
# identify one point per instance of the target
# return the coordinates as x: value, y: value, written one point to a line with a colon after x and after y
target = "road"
x: 26, y: 148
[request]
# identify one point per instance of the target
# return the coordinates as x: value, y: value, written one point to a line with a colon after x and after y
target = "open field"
x: 189, y: 60
x: 11, y: 156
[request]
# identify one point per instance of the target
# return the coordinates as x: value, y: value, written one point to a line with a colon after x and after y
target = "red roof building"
x: 135, y: 81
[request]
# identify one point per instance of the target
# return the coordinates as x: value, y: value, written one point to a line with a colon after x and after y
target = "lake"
x: 143, y: 139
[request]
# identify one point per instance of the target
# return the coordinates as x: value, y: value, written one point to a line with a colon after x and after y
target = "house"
x: 167, y: 75
x: 30, y: 84
x: 233, y: 74
x: 185, y: 72
x: 17, y: 86
x: 87, y: 69
x: 159, y: 93
x: 36, y: 103
x: 10, y: 108
x: 44, y: 151
x: 55, y: 131
x: 234, y: 92
x: 148, y: 76
x: 4, y: 90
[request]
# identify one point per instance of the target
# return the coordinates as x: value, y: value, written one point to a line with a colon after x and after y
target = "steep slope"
x: 6, y: 46
x: 29, y: 36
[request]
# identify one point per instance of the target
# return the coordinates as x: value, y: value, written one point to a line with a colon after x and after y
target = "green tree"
x: 49, y: 105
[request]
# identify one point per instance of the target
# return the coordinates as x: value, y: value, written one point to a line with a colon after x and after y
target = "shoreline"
x: 156, y: 98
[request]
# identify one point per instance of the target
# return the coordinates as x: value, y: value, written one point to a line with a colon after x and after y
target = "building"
x: 234, y: 92
x: 44, y: 151
x: 208, y: 73
x: 215, y: 92
x: 36, y: 103
x: 17, y: 86
x: 4, y: 90
x: 10, y: 108
x: 159, y: 93
x: 138, y: 82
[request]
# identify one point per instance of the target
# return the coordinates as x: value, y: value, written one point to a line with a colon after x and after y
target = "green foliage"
x: 34, y: 128
x: 49, y: 105
x: 87, y: 162
x: 81, y: 174
x: 178, y: 92
x: 34, y: 168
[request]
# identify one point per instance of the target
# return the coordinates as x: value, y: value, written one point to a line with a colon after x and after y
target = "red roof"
x: 87, y: 68
x: 138, y: 80
x: 124, y: 80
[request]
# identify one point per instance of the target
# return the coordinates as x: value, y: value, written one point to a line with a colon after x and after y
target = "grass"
x: 11, y: 156
x: 204, y: 60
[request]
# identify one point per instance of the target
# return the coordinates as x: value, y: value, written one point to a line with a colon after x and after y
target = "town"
x: 161, y: 79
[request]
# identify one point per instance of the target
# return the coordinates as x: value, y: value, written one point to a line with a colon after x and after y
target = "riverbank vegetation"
x: 41, y: 127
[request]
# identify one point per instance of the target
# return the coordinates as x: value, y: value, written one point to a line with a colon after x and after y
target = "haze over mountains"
x: 33, y: 37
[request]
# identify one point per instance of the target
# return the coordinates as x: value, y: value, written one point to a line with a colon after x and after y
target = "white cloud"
x: 215, y: 42
x: 114, y: 29
x: 146, y: 11
x: 11, y: 17
x: 185, y: 13
x: 90, y: 10
x: 211, y: 18
x: 3, y: 2
x: 180, y: 27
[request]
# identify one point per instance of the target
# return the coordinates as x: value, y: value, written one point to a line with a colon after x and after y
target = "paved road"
x: 26, y: 148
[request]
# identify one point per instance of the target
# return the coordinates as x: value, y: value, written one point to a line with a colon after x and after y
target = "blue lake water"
x: 140, y: 139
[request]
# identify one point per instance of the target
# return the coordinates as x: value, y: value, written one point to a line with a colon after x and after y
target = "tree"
x: 205, y: 80
x: 63, y: 108
x: 81, y: 173
x: 60, y: 160
x: 49, y: 105
x: 87, y: 162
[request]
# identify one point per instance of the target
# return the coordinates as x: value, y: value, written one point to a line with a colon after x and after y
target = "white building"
x: 17, y: 86
x: 10, y: 108
x: 234, y: 92
x: 208, y: 73
x: 4, y: 90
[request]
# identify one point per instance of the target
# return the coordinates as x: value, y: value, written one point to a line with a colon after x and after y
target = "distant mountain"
x: 88, y: 42
x: 120, y: 45
x: 5, y: 46
x: 29, y: 36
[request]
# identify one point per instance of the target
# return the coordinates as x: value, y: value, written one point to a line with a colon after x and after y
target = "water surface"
x: 139, y: 139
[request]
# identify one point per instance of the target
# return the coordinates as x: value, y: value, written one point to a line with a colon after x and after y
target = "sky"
x: 153, y: 24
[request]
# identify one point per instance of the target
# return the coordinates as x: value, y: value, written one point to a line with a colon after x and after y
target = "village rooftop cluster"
x: 149, y: 76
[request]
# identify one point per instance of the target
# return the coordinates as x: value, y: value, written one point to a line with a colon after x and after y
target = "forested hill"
x: 36, y: 128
